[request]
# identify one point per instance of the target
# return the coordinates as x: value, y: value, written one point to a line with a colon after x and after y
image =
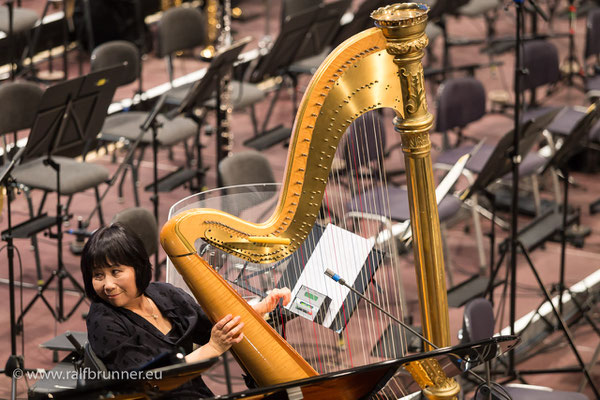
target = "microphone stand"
x: 342, y: 282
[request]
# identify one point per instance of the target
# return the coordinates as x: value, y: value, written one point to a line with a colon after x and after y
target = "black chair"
x: 126, y: 125
x: 540, y: 60
x: 478, y: 324
x: 91, y: 360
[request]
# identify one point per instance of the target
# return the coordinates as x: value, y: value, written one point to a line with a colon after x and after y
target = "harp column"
x: 403, y: 26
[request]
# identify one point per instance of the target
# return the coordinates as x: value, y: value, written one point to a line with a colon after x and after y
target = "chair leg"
x: 33, y: 239
x: 478, y: 236
x: 447, y: 258
x: 535, y: 189
x: 99, y: 202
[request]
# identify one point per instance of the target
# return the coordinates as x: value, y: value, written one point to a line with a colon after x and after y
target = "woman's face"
x: 115, y: 284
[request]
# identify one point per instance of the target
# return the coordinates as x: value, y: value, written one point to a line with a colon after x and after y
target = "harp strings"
x: 363, y: 180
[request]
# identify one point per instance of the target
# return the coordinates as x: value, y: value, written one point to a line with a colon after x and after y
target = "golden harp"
x: 378, y: 68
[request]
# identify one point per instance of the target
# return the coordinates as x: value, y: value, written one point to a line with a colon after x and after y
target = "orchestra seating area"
x: 193, y: 137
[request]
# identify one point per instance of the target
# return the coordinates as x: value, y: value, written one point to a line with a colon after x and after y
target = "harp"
x: 378, y: 68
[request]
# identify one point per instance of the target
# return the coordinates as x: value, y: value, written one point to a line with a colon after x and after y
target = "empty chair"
x: 478, y: 324
x: 460, y: 101
x: 14, y: 22
x: 184, y: 29
x: 126, y: 125
x: 540, y: 60
x: 141, y: 222
x: 246, y: 168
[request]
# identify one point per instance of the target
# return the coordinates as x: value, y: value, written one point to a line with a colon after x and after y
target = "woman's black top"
x: 125, y: 341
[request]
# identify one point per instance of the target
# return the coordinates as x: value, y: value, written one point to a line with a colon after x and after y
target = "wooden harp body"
x: 378, y: 68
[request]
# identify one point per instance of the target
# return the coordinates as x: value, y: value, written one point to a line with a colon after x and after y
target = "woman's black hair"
x: 110, y: 245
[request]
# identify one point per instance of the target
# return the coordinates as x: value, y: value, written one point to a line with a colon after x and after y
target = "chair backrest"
x: 245, y: 167
x: 460, y: 101
x: 181, y: 28
x: 91, y: 360
x: 19, y: 103
x: 592, y: 36
x: 118, y: 52
x: 540, y: 59
x: 478, y: 320
x: 142, y: 222
x: 364, y: 145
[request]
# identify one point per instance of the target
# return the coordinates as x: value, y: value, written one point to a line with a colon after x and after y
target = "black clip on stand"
x: 58, y: 130
x: 14, y: 362
x: 515, y: 244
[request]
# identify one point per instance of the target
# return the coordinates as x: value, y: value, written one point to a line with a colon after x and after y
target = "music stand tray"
x: 364, y: 381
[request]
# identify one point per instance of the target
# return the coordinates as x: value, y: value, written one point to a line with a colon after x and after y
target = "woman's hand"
x: 223, y: 335
x: 269, y: 303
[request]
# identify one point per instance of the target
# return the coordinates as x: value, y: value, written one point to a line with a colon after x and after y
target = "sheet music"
x: 344, y: 253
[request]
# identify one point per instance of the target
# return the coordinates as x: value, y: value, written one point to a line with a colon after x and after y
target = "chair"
x: 91, y: 360
x: 19, y: 102
x: 246, y: 168
x: 17, y: 22
x: 540, y: 59
x: 478, y: 324
x: 183, y: 29
x: 462, y: 101
x: 370, y: 191
x: 141, y: 222
x: 126, y: 125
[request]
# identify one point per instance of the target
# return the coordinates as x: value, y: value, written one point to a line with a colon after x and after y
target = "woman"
x: 131, y: 321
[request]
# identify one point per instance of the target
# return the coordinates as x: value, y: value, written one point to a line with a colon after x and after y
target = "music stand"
x: 283, y: 53
x: 208, y: 87
x: 497, y: 165
x: 365, y: 381
x: 69, y: 116
x: 559, y: 160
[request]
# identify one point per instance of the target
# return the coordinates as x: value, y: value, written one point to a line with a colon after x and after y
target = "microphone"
x: 342, y: 282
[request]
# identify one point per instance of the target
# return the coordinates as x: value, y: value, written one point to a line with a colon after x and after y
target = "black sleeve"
x: 203, y: 325
x: 114, y: 340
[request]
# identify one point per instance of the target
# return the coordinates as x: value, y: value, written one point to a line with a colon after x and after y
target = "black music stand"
x: 206, y: 88
x: 496, y: 167
x: 69, y: 116
x: 275, y: 63
x: 573, y: 144
x: 365, y: 381
x: 559, y: 160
